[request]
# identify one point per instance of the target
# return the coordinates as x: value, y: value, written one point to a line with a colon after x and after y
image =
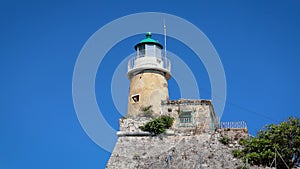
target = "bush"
x: 158, y: 125
x: 155, y: 127
x: 224, y: 140
x: 167, y: 120
x: 237, y: 153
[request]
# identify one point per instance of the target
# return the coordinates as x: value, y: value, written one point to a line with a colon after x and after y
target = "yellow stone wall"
x: 151, y: 88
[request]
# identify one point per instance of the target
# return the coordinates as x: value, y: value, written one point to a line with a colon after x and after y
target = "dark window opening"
x: 136, y: 98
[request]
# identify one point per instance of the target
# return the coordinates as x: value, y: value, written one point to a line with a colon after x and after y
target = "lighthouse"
x: 148, y: 72
x: 192, y: 141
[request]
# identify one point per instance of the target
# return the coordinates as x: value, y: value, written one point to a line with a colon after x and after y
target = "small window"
x: 150, y: 50
x: 186, y: 119
x: 136, y: 98
x: 140, y: 51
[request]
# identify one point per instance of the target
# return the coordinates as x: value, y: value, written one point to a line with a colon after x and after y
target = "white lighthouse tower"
x: 148, y: 72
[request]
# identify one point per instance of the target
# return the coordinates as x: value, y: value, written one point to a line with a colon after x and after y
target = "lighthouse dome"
x: 149, y: 57
x: 148, y: 40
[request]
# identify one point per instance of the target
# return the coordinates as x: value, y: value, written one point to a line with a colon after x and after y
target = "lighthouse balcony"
x: 149, y: 63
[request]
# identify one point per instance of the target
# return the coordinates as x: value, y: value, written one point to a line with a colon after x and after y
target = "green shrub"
x: 237, y: 153
x: 243, y: 142
x: 167, y: 120
x: 224, y: 140
x: 158, y: 125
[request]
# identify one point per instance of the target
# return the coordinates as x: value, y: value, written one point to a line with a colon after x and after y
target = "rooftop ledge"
x: 141, y: 133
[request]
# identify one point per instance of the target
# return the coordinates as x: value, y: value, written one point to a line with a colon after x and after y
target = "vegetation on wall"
x: 158, y: 125
x: 147, y: 111
x: 224, y: 140
x: 283, y: 138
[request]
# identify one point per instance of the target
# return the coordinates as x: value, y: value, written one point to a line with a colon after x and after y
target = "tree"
x: 284, y: 137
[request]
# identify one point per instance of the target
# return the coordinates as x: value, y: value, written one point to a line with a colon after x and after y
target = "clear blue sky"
x: 258, y: 43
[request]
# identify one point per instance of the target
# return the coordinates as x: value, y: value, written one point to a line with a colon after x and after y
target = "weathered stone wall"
x: 180, y: 147
x: 204, y: 118
x: 132, y: 124
x: 175, y: 151
x: 234, y: 134
x: 183, y: 152
x: 137, y: 149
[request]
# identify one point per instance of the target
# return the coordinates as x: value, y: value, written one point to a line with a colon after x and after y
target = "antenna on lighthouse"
x: 165, y: 38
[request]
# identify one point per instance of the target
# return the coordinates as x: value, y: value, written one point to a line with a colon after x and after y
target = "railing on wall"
x: 234, y: 124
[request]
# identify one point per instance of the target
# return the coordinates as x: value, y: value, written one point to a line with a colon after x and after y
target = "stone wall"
x: 204, y: 118
x: 132, y: 124
x: 175, y: 152
x: 180, y: 147
x: 136, y: 149
x: 234, y: 134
